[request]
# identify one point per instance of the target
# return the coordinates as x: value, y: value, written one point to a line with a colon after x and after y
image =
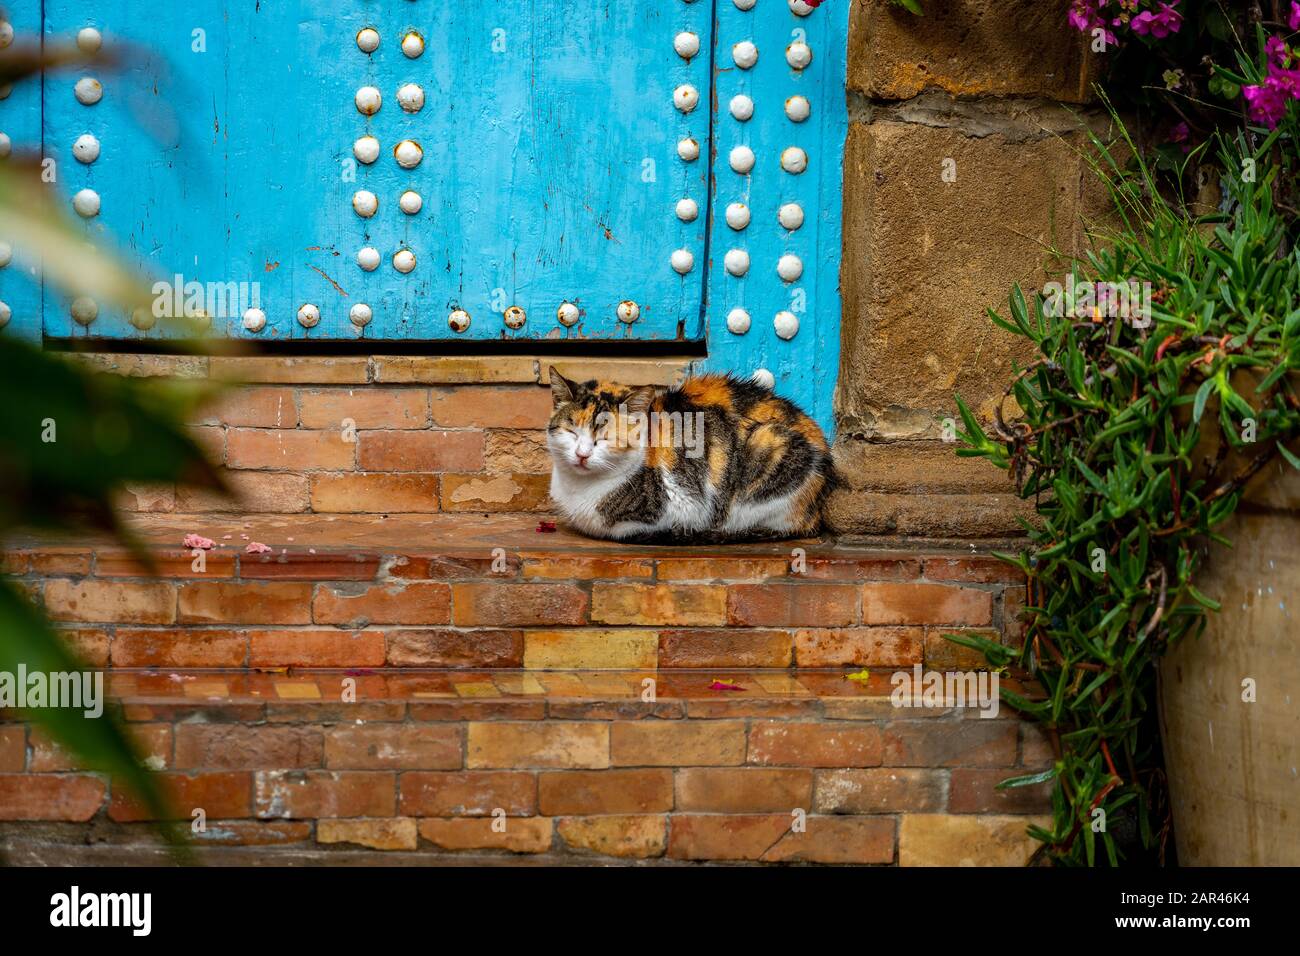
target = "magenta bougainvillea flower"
x: 1293, y: 21
x: 1158, y: 23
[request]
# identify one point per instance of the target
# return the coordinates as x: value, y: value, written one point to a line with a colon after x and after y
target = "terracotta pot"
x: 1234, y: 765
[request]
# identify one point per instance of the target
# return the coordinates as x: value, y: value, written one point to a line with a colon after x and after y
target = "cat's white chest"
x: 684, y: 510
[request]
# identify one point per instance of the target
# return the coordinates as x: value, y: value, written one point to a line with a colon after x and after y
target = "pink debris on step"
x: 545, y: 527
x: 721, y: 685
x: 256, y: 547
x: 193, y: 540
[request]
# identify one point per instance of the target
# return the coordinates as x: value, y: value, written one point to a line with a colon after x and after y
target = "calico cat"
x: 717, y: 458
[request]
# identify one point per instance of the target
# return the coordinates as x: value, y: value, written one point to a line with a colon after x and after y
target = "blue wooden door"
x: 401, y: 170
x: 663, y: 171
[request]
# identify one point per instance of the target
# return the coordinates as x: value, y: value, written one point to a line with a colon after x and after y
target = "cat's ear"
x: 562, y: 389
x: 639, y: 399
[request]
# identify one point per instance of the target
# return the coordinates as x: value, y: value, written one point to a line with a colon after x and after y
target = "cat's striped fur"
x: 717, y: 458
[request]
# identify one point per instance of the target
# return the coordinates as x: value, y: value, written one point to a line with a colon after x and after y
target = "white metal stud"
x: 744, y: 54
x: 786, y: 325
x: 741, y: 159
x: 365, y: 203
x: 458, y: 320
x: 366, y: 149
x: 741, y: 107
x: 6, y: 34
x: 142, y: 318
x: 410, y: 202
x: 89, y: 40
x: 368, y: 100
x: 85, y: 149
x: 687, y: 209
x: 686, y: 97
x: 744, y: 4
x: 368, y: 40
x: 798, y: 55
x: 404, y: 260
x: 567, y: 314
x: 737, y: 215
x: 794, y: 160
x: 254, y: 320
x: 410, y: 97
x: 790, y: 216
x: 797, y: 108
x: 6, y: 146
x: 799, y: 8
x: 762, y: 377
x: 738, y: 321
x: 308, y: 316
x: 6, y: 254
x: 368, y: 258
x: 686, y: 44
x: 408, y: 154
x: 86, y: 203
x: 6, y: 314
x: 88, y: 91
x: 789, y: 267
x: 628, y: 311
x: 688, y: 149
x: 412, y: 45
x: 683, y: 261
x: 84, y: 310
x: 360, y: 315
x: 515, y: 317
x: 736, y: 262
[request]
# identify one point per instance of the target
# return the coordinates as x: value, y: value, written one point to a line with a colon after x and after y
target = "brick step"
x: 495, y: 591
x: 642, y: 765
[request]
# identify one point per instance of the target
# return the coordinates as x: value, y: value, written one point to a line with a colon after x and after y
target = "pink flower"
x: 1266, y: 102
x: 1276, y: 49
x: 1158, y: 24
x: 1293, y: 21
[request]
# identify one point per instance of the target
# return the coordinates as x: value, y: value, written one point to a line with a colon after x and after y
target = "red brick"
x: 674, y: 743
x: 468, y: 708
x: 568, y: 567
x: 180, y: 647
x: 1036, y: 751
x: 368, y: 407
x: 965, y: 743
x: 397, y: 603
x: 722, y: 647
x: 718, y: 836
x: 942, y: 654
x: 304, y: 794
x: 981, y: 569
x: 219, y: 795
x: 242, y: 747
x: 792, y: 605
x: 250, y: 492
x: 523, y: 406
x: 88, y: 644
x: 251, y: 408
x: 627, y: 837
x: 13, y: 748
x: 516, y: 834
x: 546, y: 745
x: 744, y: 790
x: 859, y: 647
x: 1014, y: 625
x: 850, y: 567
x: 494, y: 493
x: 913, y: 603
x: 689, y: 605
x: 468, y: 793
x: 280, y: 449
x: 253, y: 832
x: 168, y: 563
x: 504, y: 605
x: 300, y: 565
x: 215, y: 602
x: 383, y: 834
x: 153, y: 743
x: 975, y: 791
x: 722, y: 569
x: 421, y: 451
x: 840, y: 744
x: 837, y: 840
x: 287, y: 369
x: 73, y: 797
x: 445, y: 567
x: 116, y: 601
x: 380, y: 746
x: 881, y: 790
x: 604, y: 791
x: 315, y: 648
x: 444, y: 647
x: 61, y: 561
x: 377, y: 493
